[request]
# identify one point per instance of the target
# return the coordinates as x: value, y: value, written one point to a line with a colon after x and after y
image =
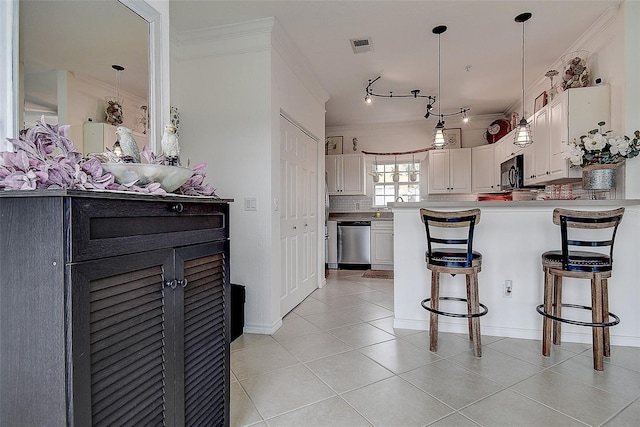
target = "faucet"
x: 399, y: 199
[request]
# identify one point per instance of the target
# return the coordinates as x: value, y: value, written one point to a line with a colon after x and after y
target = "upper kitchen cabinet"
x: 345, y: 174
x: 570, y: 114
x: 450, y: 171
x: 484, y: 169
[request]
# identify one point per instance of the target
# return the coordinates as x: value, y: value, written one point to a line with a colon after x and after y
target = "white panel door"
x: 298, y: 215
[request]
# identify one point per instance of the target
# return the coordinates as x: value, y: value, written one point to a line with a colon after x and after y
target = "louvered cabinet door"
x: 205, y: 305
x: 118, y: 344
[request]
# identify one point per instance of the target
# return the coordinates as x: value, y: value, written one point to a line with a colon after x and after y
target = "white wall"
x: 230, y: 86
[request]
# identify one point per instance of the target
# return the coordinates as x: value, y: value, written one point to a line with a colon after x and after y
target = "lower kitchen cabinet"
x: 115, y: 310
x: 382, y: 245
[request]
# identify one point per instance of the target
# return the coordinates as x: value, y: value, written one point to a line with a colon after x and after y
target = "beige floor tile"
x: 394, y: 402
x: 311, y: 306
x: 531, y: 351
x: 361, y: 335
x: 256, y: 360
x: 314, y: 346
x: 399, y: 356
x: 628, y: 417
x: 295, y: 327
x: 619, y: 381
x: 455, y: 420
x: 248, y: 340
x: 332, y: 319
x: 626, y: 357
x: 448, y: 344
x: 455, y: 386
x: 571, y: 397
x: 284, y: 390
x: 507, y: 408
x: 384, y: 285
x: 386, y: 324
x: 347, y: 371
x: 332, y: 412
x: 243, y: 412
x: 375, y: 296
x: 343, y: 301
x: 369, y: 312
x: 496, y: 366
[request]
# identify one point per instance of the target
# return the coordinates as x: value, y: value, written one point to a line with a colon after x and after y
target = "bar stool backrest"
x: 459, y: 219
x: 590, y: 220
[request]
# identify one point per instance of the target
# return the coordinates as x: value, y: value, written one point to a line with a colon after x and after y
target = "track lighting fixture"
x: 523, y: 130
x: 415, y: 93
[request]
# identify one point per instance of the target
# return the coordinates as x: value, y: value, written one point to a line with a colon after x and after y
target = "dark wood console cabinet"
x: 114, y: 310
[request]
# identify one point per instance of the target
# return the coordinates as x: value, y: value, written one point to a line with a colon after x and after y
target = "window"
x: 385, y: 190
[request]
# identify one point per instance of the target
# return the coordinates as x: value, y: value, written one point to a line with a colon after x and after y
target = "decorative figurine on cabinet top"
x: 128, y: 145
x: 170, y: 146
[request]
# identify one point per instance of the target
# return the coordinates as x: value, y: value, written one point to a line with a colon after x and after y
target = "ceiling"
x: 480, y: 51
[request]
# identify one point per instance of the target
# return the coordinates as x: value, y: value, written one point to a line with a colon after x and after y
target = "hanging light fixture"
x: 523, y: 130
x: 396, y: 172
x: 438, y: 133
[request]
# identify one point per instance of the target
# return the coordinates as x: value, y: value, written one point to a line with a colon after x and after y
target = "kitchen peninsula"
x: 512, y: 236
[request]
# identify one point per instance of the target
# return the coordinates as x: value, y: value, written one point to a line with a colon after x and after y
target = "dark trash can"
x: 238, y: 298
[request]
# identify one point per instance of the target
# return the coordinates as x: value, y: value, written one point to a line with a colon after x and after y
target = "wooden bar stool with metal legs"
x: 595, y: 266
x: 453, y: 256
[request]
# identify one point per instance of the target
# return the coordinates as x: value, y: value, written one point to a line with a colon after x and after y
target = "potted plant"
x: 599, y: 154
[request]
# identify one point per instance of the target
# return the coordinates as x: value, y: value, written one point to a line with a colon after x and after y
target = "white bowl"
x: 169, y: 177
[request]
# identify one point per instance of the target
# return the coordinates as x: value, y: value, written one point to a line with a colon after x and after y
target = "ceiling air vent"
x: 361, y: 45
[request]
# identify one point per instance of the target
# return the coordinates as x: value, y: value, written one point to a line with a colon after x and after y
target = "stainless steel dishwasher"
x: 354, y: 243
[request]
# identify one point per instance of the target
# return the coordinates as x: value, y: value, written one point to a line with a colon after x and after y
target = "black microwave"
x: 512, y: 173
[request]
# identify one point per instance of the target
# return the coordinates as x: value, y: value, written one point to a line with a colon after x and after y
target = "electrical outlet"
x: 508, y: 288
x: 357, y: 206
x: 276, y: 204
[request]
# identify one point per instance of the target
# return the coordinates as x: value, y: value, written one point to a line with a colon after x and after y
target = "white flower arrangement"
x: 600, y: 148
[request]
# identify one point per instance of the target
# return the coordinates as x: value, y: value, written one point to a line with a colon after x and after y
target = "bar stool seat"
x: 595, y: 266
x: 450, y: 258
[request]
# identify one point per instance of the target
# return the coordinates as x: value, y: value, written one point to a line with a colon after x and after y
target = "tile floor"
x: 337, y: 361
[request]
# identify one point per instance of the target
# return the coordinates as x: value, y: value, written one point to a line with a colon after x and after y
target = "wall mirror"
x: 64, y: 66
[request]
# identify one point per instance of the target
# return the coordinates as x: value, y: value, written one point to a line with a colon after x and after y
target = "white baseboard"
x: 528, y: 334
x: 261, y: 329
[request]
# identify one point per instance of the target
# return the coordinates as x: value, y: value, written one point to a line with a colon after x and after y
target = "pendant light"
x: 439, y: 141
x: 523, y: 130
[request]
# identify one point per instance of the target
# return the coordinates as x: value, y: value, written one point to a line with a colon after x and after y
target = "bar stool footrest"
x: 540, y: 309
x: 425, y: 302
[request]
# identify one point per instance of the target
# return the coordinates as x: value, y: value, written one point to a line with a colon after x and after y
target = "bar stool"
x: 450, y: 258
x: 579, y: 264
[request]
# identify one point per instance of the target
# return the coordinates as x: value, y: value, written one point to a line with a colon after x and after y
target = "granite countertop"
x: 360, y: 216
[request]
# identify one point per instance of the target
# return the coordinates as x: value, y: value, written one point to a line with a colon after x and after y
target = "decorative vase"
x: 599, y: 177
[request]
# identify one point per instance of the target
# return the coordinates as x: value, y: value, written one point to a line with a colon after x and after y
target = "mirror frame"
x: 155, y: 12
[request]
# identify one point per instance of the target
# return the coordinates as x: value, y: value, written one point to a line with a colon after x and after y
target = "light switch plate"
x: 250, y: 204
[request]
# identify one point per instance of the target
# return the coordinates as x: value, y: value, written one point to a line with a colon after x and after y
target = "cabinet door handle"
x: 177, y: 208
x: 295, y: 228
x: 170, y: 283
x: 182, y: 282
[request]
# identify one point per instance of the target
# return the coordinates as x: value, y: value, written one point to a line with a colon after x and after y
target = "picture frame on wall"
x: 453, y: 136
x: 333, y: 145
x: 540, y: 102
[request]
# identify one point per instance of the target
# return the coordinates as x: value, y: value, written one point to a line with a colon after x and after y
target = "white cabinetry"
x: 484, y: 169
x: 450, y: 171
x: 382, y: 245
x: 345, y: 174
x: 571, y: 114
x: 97, y: 137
